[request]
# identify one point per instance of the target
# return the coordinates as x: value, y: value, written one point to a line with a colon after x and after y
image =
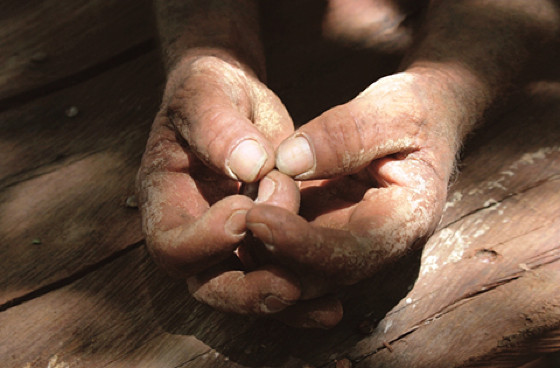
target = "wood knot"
x: 486, y: 255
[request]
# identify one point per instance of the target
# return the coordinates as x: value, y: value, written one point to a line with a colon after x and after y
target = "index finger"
x: 230, y: 122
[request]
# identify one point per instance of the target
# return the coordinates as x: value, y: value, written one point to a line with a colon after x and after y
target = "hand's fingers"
x: 270, y: 115
x: 228, y: 122
x: 195, y: 244
x: 293, y: 241
x: 188, y: 224
x: 264, y: 291
x: 382, y: 121
x: 277, y: 189
x: 325, y: 312
x: 379, y: 229
x: 274, y: 189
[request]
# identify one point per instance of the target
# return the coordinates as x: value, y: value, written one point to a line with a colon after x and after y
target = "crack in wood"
x: 49, y: 167
x: 462, y: 300
x: 495, y: 203
x: 532, y: 265
x: 426, y: 321
x: 68, y: 280
x: 127, y: 55
x: 491, y: 286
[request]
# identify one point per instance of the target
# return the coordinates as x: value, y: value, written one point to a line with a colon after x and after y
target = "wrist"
x: 227, y: 29
x: 253, y: 65
x: 216, y: 63
x: 232, y: 58
x: 452, y: 100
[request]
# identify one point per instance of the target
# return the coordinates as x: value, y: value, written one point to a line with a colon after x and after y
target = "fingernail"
x: 273, y: 304
x: 247, y: 160
x: 266, y: 189
x: 236, y: 223
x: 311, y: 323
x: 294, y: 156
x: 262, y: 232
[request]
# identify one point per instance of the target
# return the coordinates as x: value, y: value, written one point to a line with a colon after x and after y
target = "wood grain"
x: 46, y: 42
x: 65, y: 181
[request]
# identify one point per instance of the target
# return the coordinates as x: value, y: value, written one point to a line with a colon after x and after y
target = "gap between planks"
x: 91, y: 72
x: 70, y: 279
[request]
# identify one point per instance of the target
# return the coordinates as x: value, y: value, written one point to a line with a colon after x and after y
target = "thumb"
x: 348, y: 137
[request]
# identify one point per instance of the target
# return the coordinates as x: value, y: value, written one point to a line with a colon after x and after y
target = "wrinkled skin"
x: 193, y: 216
x: 386, y: 157
x: 371, y: 174
x: 382, y: 191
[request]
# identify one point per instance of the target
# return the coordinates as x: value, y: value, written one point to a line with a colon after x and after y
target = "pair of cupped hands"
x: 346, y: 193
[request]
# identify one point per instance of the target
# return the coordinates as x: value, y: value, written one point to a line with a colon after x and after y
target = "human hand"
x: 375, y: 174
x: 218, y: 127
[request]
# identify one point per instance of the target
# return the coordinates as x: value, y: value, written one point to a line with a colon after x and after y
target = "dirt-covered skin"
x: 391, y: 159
x: 374, y: 172
x: 218, y: 125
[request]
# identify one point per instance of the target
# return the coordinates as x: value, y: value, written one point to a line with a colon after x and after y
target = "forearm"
x: 480, y: 46
x: 228, y: 29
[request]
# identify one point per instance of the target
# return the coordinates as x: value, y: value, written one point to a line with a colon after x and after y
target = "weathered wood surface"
x: 65, y: 180
x: 48, y: 44
x: 485, y: 292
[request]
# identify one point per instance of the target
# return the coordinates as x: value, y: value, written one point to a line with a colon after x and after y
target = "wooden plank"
x: 470, y: 308
x: 109, y: 108
x: 526, y: 307
x: 44, y: 42
x: 542, y: 349
x: 107, y: 320
x: 132, y: 315
x: 65, y: 180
